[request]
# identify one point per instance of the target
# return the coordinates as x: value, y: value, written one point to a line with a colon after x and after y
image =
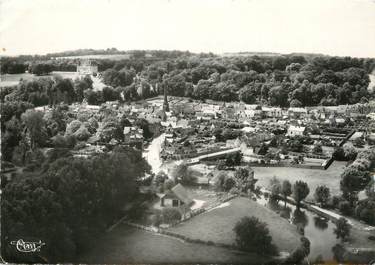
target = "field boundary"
x: 318, y: 167
x: 187, y: 239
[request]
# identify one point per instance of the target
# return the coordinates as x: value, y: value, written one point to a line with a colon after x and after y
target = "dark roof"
x: 181, y: 193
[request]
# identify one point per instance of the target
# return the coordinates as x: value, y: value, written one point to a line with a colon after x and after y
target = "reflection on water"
x: 338, y: 252
x: 300, y: 220
x: 317, y: 229
x: 321, y: 223
x: 286, y: 213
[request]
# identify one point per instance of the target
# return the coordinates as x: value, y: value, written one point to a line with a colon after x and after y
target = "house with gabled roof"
x: 296, y: 130
x: 175, y: 197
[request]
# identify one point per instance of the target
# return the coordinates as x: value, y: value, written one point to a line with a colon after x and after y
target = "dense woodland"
x: 66, y: 202
x: 277, y: 80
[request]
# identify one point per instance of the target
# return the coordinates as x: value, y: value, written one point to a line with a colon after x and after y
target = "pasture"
x: 217, y: 224
x: 129, y: 245
x: 313, y: 177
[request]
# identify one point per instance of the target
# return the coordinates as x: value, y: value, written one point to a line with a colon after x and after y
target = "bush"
x: 346, y: 153
x: 82, y: 134
x: 60, y: 141
x: 338, y: 252
x: 156, y: 220
x: 229, y: 184
x: 342, y: 229
x: 317, y: 149
x: 365, y: 211
x: 168, y: 184
x: 345, y: 207
x: 224, y: 182
x: 336, y: 200
x: 300, y: 253
x: 253, y: 235
x: 171, y: 215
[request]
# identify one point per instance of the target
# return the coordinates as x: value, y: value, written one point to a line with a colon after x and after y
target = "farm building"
x: 175, y: 197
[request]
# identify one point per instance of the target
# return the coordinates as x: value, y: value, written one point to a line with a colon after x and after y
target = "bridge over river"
x: 197, y: 159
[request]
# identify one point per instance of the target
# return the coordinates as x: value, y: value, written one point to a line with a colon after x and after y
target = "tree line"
x: 279, y: 80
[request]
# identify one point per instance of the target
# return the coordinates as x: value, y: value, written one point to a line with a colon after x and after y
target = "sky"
x: 333, y: 27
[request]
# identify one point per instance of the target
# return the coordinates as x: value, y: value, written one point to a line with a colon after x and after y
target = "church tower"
x: 165, y: 104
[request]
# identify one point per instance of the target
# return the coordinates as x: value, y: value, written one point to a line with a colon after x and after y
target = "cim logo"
x: 23, y: 246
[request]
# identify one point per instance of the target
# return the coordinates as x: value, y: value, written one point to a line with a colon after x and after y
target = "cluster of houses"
x: 133, y: 137
x: 258, y: 124
x: 190, y: 125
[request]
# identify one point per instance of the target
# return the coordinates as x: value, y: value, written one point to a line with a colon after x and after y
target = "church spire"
x: 165, y: 104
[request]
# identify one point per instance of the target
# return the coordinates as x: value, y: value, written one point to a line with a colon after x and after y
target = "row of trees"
x: 298, y: 191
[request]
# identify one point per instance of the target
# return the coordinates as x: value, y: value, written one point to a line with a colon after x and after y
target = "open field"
x: 13, y: 79
x: 97, y: 56
x: 125, y: 244
x: 313, y: 177
x: 217, y: 225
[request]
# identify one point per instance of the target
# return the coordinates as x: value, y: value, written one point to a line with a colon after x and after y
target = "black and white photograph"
x: 187, y: 132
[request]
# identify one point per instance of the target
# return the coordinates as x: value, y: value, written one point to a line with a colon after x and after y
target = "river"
x: 318, y: 230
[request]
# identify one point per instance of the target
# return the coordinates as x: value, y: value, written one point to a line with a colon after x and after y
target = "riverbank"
x: 318, y: 225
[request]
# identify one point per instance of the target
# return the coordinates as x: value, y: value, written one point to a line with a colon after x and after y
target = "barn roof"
x: 182, y: 194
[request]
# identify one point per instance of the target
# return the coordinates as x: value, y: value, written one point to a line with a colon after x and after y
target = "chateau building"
x: 86, y: 67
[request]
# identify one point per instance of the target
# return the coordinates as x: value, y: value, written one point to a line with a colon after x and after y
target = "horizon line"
x: 180, y: 50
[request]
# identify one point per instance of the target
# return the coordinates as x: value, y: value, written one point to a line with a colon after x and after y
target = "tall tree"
x: 300, y: 192
x: 34, y: 124
x: 286, y: 189
x: 342, y: 229
x: 322, y: 194
x: 245, y: 180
